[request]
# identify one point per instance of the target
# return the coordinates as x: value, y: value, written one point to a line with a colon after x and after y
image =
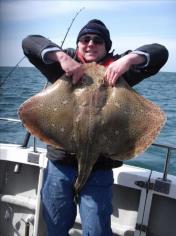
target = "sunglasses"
x: 95, y: 39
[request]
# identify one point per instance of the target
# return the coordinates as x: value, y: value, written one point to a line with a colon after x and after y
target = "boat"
x: 144, y: 201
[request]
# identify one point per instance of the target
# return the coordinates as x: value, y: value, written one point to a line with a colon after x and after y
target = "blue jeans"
x: 94, y: 200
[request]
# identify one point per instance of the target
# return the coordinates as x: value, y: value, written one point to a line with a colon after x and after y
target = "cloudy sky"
x: 131, y: 23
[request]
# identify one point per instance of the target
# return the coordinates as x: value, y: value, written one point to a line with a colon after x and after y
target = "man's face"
x: 92, y: 47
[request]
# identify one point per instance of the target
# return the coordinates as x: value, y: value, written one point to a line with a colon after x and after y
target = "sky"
x: 131, y: 24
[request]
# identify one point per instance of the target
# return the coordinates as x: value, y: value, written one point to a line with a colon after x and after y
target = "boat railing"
x: 27, y: 136
x: 167, y: 147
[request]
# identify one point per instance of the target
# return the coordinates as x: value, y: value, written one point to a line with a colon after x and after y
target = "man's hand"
x: 120, y: 66
x: 71, y: 67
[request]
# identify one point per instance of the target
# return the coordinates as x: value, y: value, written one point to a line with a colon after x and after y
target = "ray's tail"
x: 85, y: 136
x: 86, y: 161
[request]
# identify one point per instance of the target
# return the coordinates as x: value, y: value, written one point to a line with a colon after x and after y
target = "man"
x: 93, y: 44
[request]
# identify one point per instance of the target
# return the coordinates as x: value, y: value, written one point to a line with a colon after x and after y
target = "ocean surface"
x: 24, y: 82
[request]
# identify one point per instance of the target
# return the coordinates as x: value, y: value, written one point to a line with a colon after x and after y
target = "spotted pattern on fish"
x: 91, y: 118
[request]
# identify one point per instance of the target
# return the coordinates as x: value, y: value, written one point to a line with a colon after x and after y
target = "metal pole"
x: 166, y: 164
x: 26, y: 140
x: 38, y: 205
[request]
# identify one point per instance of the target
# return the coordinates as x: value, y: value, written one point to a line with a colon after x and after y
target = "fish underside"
x: 93, y: 119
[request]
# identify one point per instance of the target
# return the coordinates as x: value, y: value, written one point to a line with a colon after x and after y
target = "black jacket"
x: 33, y: 46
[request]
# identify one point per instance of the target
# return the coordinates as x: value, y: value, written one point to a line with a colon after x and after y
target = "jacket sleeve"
x: 158, y: 56
x: 33, y: 45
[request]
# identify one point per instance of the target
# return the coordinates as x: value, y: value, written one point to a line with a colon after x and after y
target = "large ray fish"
x: 91, y: 118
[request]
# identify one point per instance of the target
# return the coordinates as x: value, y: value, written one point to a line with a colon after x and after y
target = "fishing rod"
x: 11, y: 71
x: 66, y: 34
x: 74, y: 18
x: 10, y: 119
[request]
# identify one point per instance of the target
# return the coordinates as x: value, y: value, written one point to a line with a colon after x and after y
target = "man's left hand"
x: 117, y: 68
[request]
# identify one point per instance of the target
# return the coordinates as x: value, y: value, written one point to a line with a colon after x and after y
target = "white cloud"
x: 26, y: 10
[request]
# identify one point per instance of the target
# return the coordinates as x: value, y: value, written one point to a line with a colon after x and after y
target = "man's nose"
x: 91, y: 42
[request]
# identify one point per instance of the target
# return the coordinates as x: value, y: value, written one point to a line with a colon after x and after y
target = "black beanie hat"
x: 96, y: 27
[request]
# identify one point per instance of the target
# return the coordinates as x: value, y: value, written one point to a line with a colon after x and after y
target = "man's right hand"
x: 71, y: 67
